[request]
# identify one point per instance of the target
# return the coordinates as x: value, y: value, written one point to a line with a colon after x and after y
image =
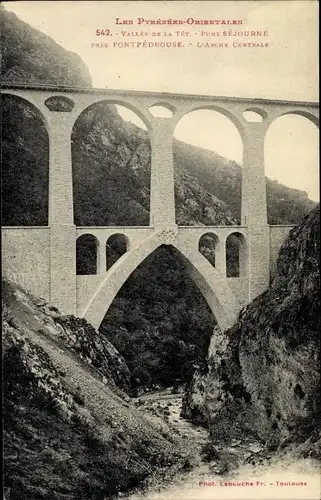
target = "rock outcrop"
x: 263, y: 374
x: 69, y: 430
x: 74, y: 333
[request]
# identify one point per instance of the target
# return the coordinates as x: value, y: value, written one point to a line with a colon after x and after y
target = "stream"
x: 253, y: 478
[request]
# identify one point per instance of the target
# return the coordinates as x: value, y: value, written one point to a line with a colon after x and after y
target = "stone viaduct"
x: 43, y: 259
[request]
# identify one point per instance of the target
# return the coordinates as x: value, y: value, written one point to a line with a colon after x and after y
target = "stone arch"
x: 160, y: 109
x: 59, y: 103
x: 25, y: 163
x: 116, y: 245
x: 291, y: 150
x: 207, y: 245
x: 222, y: 134
x: 87, y: 254
x: 109, y: 163
x: 312, y: 117
x: 236, y: 255
x: 214, y: 288
x: 256, y: 111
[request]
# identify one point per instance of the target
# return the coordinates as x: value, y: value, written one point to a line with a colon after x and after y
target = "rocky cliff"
x: 263, y: 374
x: 69, y: 430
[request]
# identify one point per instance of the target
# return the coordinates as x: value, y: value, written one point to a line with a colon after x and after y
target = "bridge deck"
x: 162, y: 95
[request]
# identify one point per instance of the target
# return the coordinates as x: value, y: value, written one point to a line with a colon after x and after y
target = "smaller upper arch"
x: 59, y: 103
x: 117, y: 245
x: 237, y: 233
x: 233, y: 229
x: 236, y: 255
x: 208, y: 231
x: 91, y: 235
x: 87, y: 255
x: 119, y: 237
x: 207, y: 244
x: 210, y: 235
x: 254, y: 114
x: 162, y: 110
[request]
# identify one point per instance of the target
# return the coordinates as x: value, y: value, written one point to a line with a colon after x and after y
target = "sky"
x: 286, y: 69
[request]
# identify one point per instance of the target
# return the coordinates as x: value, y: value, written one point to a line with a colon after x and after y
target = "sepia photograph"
x: 160, y: 250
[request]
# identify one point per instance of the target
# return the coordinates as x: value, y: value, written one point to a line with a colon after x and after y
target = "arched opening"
x: 236, y: 255
x: 111, y: 167
x: 161, y: 111
x: 116, y: 246
x: 160, y: 322
x: 254, y: 115
x: 207, y: 246
x: 87, y: 255
x: 61, y: 104
x: 292, y: 168
x: 208, y: 152
x: 25, y: 164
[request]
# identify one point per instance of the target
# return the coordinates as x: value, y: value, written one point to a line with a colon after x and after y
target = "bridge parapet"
x: 179, y: 103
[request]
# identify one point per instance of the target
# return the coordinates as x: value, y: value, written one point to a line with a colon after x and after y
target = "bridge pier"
x: 61, y: 214
x: 220, y: 256
x: 61, y: 207
x: 101, y: 258
x: 162, y: 200
x: 254, y: 208
x: 63, y: 283
x: 258, y: 260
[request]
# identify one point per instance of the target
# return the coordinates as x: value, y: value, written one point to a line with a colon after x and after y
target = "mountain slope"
x: 222, y: 178
x: 30, y: 56
x: 68, y: 430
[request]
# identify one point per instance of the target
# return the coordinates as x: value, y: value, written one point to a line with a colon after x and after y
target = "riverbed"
x: 269, y: 478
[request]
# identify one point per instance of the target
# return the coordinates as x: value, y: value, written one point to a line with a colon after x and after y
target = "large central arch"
x: 213, y: 287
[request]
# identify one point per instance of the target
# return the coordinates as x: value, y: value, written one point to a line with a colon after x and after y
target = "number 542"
x: 103, y: 32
